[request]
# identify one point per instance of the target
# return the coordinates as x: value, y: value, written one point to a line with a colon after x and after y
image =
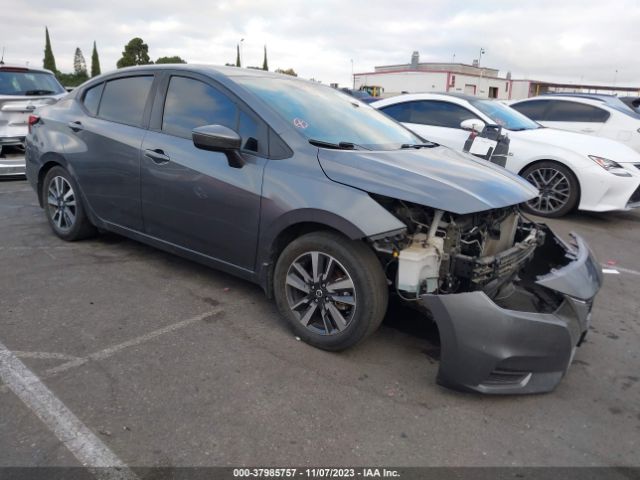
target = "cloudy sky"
x: 568, y: 40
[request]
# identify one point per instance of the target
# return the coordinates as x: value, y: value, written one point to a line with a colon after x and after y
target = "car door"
x: 435, y: 120
x: 575, y: 117
x: 193, y: 198
x: 106, y: 156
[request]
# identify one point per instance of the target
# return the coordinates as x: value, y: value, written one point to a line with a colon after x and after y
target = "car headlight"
x: 610, y: 166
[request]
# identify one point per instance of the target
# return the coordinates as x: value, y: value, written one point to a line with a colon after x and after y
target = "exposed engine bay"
x: 445, y: 253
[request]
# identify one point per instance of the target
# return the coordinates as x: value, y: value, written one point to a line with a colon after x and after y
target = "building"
x: 417, y: 77
x: 421, y: 77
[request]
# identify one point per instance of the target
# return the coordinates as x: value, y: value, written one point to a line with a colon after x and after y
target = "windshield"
x: 504, y: 116
x: 326, y: 115
x: 16, y: 82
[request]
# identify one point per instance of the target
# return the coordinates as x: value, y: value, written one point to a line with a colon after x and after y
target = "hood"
x: 434, y: 177
x: 580, y: 143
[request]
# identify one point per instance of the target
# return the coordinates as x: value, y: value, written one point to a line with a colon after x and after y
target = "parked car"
x: 632, y: 102
x: 361, y: 95
x: 600, y: 115
x: 22, y: 90
x: 326, y: 203
x: 569, y: 169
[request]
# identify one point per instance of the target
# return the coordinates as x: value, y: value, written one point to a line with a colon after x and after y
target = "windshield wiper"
x: 39, y: 92
x: 337, y: 146
x: 419, y: 145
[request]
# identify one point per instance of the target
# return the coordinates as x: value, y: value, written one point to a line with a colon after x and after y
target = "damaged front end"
x: 511, y: 300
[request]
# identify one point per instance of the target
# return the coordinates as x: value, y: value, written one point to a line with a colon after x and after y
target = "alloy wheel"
x: 554, y: 188
x: 61, y: 203
x: 321, y: 293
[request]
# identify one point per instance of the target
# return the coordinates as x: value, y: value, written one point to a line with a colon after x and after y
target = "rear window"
x: 17, y: 82
x: 124, y: 99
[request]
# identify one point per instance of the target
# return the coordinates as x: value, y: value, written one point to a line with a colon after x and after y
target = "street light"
x: 241, y: 57
x: 353, y: 75
x: 482, y: 52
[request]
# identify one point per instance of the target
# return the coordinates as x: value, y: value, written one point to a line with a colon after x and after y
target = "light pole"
x: 482, y: 52
x: 241, y: 56
x: 353, y: 77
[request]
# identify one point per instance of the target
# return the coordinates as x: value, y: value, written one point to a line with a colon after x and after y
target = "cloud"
x: 543, y: 39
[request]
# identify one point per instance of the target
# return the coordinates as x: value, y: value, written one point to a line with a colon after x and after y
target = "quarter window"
x: 92, y: 98
x: 191, y: 103
x: 565, y: 111
x: 124, y: 99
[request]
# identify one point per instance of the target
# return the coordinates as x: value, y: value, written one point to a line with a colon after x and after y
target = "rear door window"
x: 400, y: 111
x: 124, y: 99
x: 566, y: 111
x: 439, y: 114
x: 534, y: 109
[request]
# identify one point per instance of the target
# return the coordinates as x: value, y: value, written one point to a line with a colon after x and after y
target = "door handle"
x: 75, y: 126
x: 587, y: 130
x: 157, y: 156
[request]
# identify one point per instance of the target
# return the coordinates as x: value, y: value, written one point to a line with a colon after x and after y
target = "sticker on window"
x: 299, y: 123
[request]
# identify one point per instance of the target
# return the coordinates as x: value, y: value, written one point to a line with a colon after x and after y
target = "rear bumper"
x: 490, y: 349
x: 12, y: 161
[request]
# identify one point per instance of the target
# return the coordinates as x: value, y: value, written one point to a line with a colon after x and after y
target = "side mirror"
x: 218, y: 138
x: 472, y: 124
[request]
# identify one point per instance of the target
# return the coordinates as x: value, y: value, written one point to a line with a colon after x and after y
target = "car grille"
x: 506, y: 377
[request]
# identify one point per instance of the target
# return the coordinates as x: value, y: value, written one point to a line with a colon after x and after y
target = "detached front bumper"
x: 491, y: 349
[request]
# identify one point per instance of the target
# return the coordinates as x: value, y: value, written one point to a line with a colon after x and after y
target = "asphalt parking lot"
x: 169, y: 363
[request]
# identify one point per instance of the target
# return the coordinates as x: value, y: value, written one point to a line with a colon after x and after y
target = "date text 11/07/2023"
x: 312, y: 473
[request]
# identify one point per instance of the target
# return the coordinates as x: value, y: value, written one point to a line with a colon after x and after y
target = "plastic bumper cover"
x: 489, y: 349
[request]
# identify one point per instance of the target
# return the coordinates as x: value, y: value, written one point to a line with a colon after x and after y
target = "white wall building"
x: 416, y: 77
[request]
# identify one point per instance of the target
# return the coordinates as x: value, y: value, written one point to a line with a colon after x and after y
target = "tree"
x: 288, y: 71
x: 136, y: 52
x: 238, y: 56
x: 174, y: 59
x: 79, y: 64
x: 49, y: 61
x: 265, y: 65
x: 95, y: 61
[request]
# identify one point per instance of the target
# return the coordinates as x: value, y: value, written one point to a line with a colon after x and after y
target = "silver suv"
x: 22, y: 90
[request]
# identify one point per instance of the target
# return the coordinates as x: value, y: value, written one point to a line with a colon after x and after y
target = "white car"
x: 601, y: 115
x: 22, y: 90
x: 570, y: 169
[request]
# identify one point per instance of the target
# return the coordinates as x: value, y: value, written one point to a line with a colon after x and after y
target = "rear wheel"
x: 558, y: 187
x: 331, y: 290
x: 63, y: 206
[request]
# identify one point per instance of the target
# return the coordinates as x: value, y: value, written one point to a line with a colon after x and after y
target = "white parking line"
x: 107, y: 352
x: 79, y: 440
x: 44, y: 355
x: 627, y: 270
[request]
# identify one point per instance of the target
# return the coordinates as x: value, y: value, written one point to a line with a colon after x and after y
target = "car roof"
x: 408, y: 97
x: 210, y: 70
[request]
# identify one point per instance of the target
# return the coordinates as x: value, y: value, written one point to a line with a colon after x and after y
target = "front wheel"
x: 331, y: 290
x: 63, y: 206
x: 558, y: 187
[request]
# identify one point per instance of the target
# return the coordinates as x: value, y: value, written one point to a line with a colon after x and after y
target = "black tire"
x: 63, y: 206
x: 558, y: 196
x: 340, y: 261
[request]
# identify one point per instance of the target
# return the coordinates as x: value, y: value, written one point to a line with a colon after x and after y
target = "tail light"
x: 33, y: 119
